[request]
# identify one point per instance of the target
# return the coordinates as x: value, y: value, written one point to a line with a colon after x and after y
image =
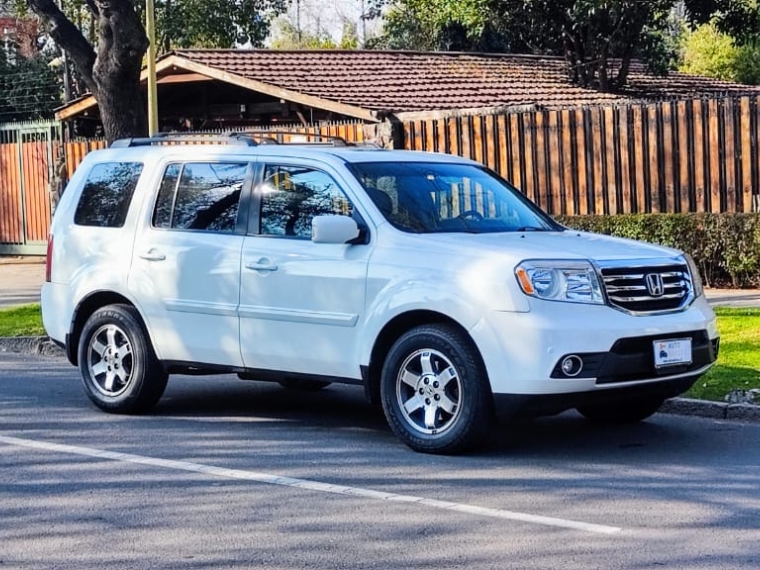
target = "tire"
x: 624, y: 412
x: 302, y: 385
x: 119, y: 369
x: 434, y: 391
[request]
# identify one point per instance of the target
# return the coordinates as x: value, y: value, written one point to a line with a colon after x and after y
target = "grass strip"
x: 24, y: 320
x: 738, y: 366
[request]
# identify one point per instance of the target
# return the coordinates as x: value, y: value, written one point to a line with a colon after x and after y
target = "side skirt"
x: 203, y: 369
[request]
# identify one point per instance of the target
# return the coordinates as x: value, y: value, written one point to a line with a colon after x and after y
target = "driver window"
x: 292, y: 195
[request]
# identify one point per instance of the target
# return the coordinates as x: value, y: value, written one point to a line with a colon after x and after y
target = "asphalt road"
x: 233, y: 474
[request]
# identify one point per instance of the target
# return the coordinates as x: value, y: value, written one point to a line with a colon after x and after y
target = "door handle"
x: 261, y: 265
x: 152, y: 255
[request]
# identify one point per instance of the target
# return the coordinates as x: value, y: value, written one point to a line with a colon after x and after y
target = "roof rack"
x: 276, y: 137
x: 238, y: 138
x: 183, y: 137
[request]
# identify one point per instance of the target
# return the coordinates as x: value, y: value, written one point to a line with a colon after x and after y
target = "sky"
x: 318, y: 16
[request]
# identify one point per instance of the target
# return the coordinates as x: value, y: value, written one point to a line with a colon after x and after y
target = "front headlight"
x: 560, y: 280
x: 696, y: 280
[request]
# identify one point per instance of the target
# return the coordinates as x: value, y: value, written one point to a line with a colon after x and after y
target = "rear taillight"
x: 49, y: 259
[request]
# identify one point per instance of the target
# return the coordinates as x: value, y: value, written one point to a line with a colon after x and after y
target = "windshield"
x: 428, y: 197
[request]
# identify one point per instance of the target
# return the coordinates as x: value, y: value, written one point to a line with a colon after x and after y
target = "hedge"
x: 726, y: 247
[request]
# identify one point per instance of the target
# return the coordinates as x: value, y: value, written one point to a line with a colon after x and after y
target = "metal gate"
x: 29, y: 155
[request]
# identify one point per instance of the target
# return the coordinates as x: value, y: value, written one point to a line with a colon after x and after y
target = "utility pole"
x: 150, y: 25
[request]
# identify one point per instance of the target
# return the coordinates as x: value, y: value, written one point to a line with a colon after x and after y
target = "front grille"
x: 635, y: 289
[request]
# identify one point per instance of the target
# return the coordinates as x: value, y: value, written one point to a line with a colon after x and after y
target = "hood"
x: 569, y: 244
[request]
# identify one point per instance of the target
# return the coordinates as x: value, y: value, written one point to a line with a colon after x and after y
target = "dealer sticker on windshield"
x: 672, y: 352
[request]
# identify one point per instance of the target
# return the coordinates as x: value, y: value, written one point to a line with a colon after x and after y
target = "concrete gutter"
x: 677, y: 406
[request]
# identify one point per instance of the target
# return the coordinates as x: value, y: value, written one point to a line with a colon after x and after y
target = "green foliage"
x: 449, y: 25
x: 29, y: 88
x: 215, y: 23
x: 598, y: 38
x: 725, y: 247
x: 192, y: 23
x: 595, y: 36
x: 740, y: 19
x: 350, y: 37
x: 709, y: 52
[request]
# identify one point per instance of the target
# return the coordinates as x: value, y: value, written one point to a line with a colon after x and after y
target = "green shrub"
x: 725, y: 247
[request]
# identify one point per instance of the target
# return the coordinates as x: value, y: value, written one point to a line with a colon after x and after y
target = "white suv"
x: 425, y: 278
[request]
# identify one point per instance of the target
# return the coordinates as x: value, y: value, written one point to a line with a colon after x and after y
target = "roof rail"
x: 238, y: 138
x: 183, y: 137
x: 276, y: 137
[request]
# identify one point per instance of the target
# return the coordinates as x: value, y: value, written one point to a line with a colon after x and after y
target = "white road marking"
x: 308, y: 485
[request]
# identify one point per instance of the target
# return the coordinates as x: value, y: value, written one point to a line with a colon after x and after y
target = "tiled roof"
x: 402, y: 81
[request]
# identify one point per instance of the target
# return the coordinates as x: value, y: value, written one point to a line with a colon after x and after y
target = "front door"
x: 300, y: 301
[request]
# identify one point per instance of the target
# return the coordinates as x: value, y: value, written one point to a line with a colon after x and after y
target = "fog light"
x: 572, y: 365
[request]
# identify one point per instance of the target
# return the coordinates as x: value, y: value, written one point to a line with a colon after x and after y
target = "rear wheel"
x: 120, y: 372
x: 624, y: 412
x: 434, y: 390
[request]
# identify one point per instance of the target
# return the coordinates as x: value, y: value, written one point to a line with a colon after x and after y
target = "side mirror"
x: 333, y: 229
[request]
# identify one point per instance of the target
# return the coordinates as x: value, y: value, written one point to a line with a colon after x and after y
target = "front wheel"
x: 623, y: 412
x: 120, y: 372
x: 434, y: 390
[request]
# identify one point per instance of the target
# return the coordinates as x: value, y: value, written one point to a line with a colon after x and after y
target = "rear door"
x: 186, y: 266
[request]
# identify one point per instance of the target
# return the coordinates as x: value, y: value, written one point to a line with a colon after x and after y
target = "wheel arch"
x: 86, y: 307
x: 391, y: 331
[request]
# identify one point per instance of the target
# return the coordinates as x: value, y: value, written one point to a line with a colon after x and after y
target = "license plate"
x: 672, y: 352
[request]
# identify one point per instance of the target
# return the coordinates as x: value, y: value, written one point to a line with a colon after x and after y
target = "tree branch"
x: 68, y: 38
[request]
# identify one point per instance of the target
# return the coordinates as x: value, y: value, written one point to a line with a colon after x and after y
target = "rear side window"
x: 200, y: 196
x: 107, y: 194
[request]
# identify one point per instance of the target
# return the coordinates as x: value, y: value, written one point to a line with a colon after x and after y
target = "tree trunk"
x: 113, y: 73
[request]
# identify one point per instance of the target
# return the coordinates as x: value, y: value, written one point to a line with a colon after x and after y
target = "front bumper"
x: 514, y: 406
x: 632, y: 359
x: 522, y: 351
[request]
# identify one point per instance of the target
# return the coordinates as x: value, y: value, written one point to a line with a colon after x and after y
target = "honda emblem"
x: 655, y: 286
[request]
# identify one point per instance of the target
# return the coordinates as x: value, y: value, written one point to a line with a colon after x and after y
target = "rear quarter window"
x: 107, y: 194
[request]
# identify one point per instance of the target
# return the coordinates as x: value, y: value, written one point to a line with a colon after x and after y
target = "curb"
x: 42, y: 345
x: 23, y: 260
x: 714, y: 410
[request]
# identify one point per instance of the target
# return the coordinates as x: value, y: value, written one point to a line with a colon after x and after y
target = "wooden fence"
x: 685, y: 156
x: 75, y: 151
x: 351, y: 131
x: 28, y: 152
x: 681, y: 156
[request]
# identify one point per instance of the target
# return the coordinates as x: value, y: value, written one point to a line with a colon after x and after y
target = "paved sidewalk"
x: 733, y: 297
x: 20, y: 280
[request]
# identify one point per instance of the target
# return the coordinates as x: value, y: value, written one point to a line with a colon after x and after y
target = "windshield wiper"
x: 531, y: 229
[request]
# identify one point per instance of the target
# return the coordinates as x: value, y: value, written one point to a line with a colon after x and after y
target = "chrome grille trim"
x: 626, y: 289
